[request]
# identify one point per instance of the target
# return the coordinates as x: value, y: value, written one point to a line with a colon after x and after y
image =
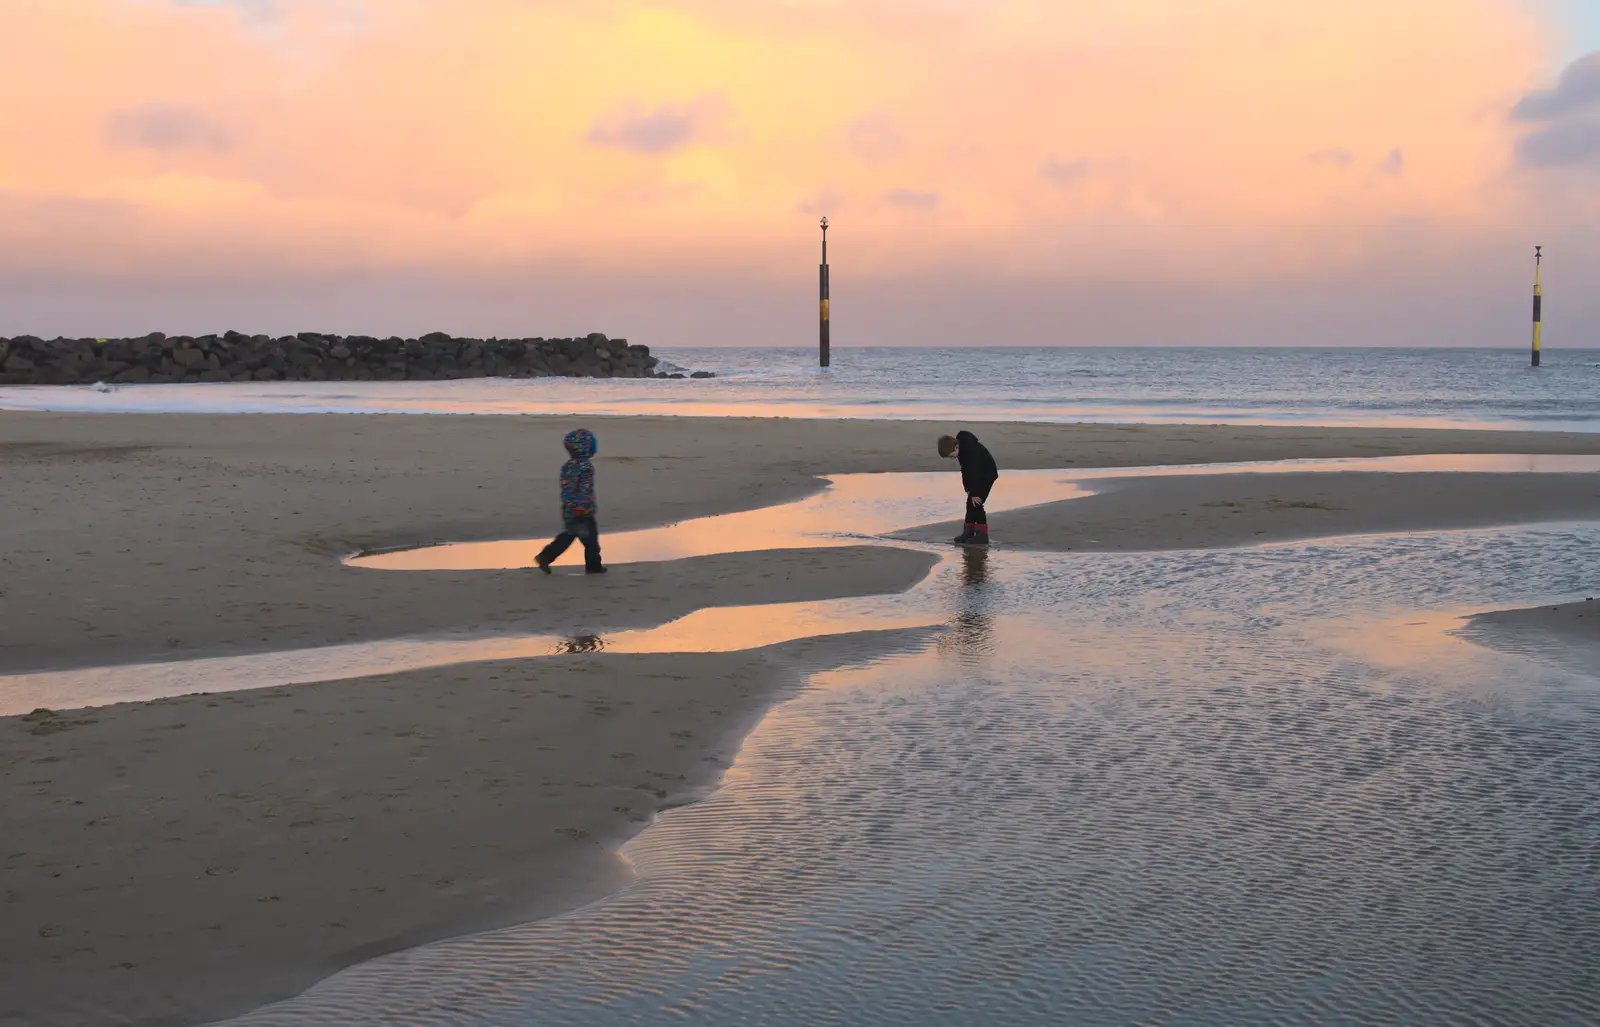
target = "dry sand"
x: 231, y: 849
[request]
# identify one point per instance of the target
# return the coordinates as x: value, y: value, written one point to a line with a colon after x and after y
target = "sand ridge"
x: 1216, y: 511
x: 1578, y: 621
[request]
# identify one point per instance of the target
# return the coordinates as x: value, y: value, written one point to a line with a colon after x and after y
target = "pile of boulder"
x: 311, y: 356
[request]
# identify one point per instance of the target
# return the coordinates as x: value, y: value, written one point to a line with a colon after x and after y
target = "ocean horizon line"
x: 1115, y: 347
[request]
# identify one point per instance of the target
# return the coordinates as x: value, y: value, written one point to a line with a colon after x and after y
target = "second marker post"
x: 1538, y: 302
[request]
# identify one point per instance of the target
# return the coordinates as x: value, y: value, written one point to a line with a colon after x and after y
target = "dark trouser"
x: 977, y: 522
x: 580, y: 529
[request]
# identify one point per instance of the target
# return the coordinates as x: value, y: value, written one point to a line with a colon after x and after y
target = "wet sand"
x: 1579, y: 621
x: 1564, y: 635
x: 228, y: 847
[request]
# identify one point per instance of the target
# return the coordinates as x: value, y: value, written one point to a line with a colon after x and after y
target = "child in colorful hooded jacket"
x: 577, y: 505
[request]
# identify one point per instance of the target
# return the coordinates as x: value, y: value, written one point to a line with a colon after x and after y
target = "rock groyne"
x: 311, y: 356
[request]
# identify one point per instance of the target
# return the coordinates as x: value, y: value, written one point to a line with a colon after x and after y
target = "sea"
x: 1447, y: 388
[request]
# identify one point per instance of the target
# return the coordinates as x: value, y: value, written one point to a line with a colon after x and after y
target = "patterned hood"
x: 581, y: 444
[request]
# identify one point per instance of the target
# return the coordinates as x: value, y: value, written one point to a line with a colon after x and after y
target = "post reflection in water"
x: 970, y: 637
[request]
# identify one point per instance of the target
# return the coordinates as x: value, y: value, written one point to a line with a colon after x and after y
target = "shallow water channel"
x: 1255, y: 786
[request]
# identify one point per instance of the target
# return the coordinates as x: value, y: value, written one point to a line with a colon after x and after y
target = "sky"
x: 1247, y: 172
x: 1578, y: 23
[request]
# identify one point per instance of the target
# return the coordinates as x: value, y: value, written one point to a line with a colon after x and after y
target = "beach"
x: 185, y: 859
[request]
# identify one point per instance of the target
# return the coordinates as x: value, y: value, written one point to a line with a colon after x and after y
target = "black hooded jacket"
x: 978, y: 470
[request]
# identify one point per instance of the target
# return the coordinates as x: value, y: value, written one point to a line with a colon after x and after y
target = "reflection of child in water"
x: 581, y: 644
x: 971, y: 635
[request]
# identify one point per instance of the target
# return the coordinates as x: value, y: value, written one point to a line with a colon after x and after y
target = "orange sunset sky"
x: 997, y: 171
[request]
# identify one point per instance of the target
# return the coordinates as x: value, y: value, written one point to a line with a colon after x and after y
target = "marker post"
x: 822, y: 340
x: 1538, y: 302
